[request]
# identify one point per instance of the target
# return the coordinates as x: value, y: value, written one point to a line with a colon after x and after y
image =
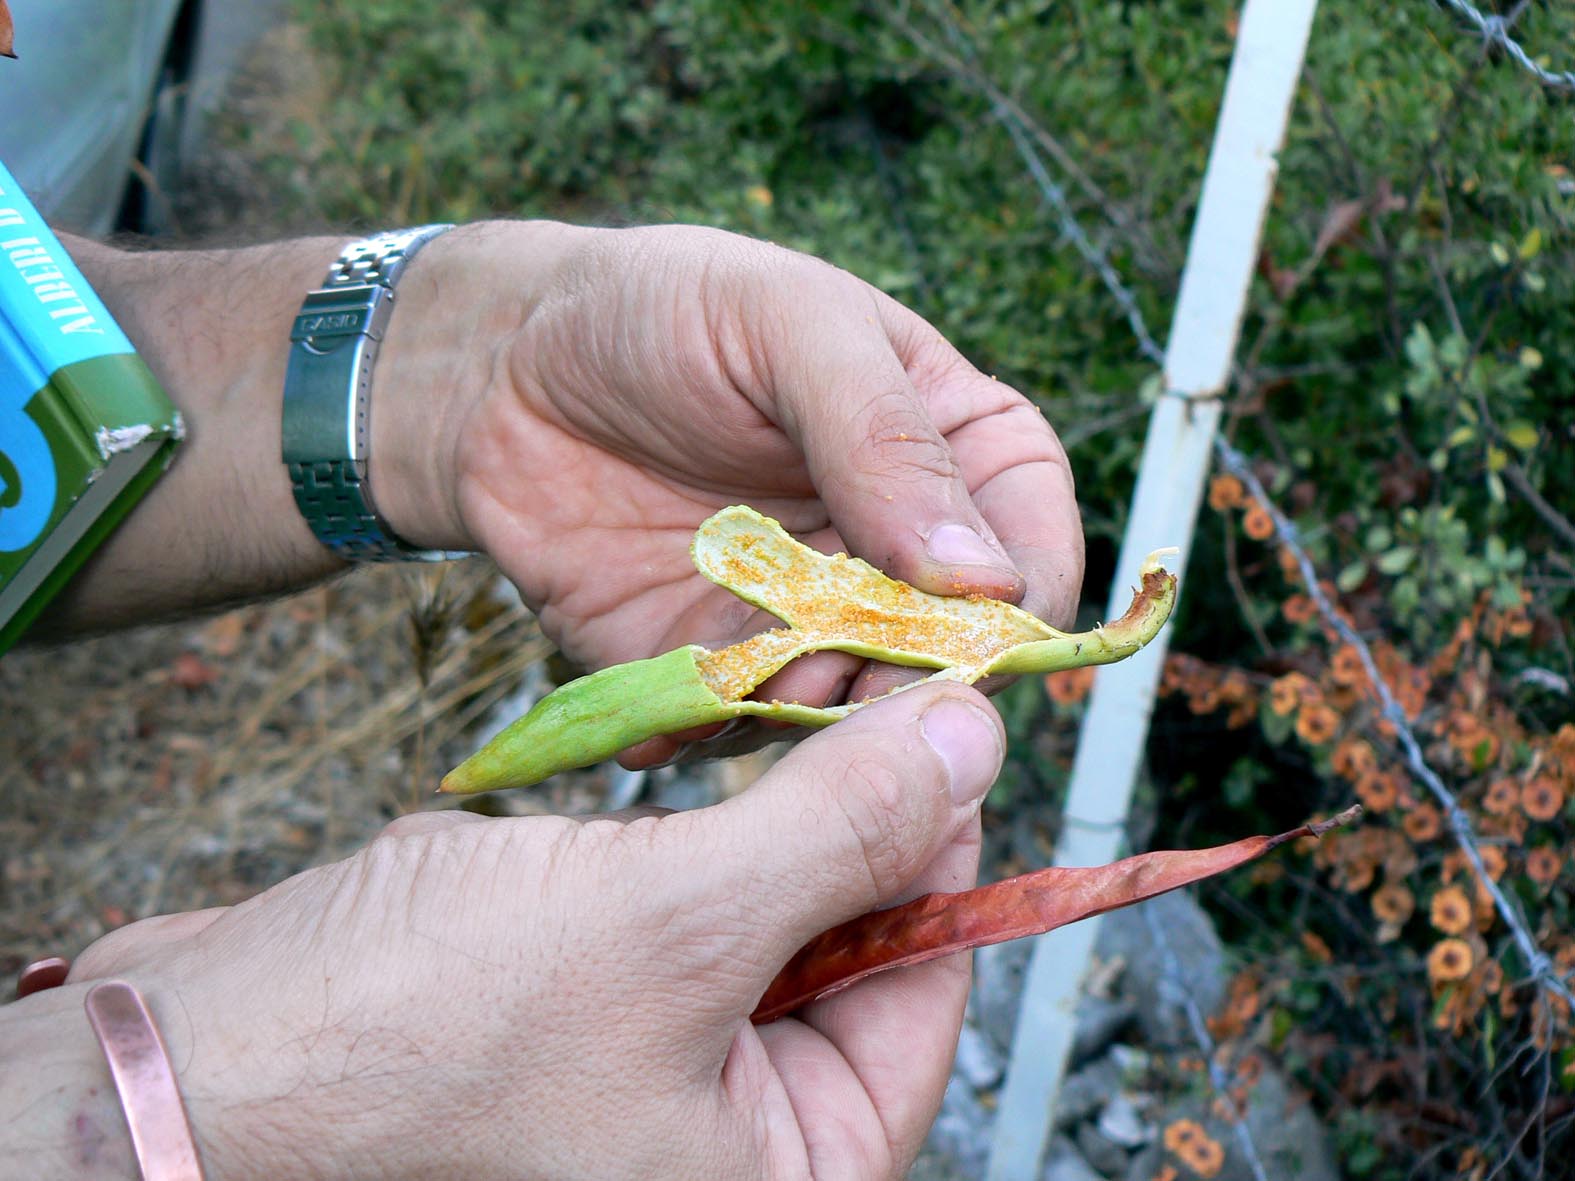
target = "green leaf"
x: 1460, y: 436
x: 1497, y: 458
x: 1396, y: 560
x: 1419, y: 346
x: 1521, y: 435
x: 1351, y: 577
x: 1406, y: 596
x: 1530, y: 245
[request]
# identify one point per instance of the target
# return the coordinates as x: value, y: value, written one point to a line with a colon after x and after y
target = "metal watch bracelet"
x: 327, y: 422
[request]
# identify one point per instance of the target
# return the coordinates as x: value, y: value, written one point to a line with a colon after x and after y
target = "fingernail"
x: 968, y: 744
x: 958, y: 545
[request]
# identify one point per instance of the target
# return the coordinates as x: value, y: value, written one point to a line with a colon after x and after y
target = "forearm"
x: 60, y: 1116
x: 214, y: 326
x: 220, y: 525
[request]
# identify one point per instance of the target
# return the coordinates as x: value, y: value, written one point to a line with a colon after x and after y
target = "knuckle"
x: 899, y: 441
x: 876, y: 802
x: 115, y: 952
x: 408, y: 825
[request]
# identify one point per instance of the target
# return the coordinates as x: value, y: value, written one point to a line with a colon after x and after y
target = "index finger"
x: 1010, y: 459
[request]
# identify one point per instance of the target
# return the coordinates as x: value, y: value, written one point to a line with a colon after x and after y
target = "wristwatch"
x: 327, y: 398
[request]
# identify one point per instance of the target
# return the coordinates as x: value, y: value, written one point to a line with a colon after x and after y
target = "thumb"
x: 845, y: 822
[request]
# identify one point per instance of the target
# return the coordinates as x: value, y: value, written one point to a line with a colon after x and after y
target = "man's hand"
x: 648, y: 377
x: 548, y: 998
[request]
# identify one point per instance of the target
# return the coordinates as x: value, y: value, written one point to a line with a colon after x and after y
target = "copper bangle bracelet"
x: 140, y: 1065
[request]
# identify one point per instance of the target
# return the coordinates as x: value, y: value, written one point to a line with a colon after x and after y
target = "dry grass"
x: 194, y: 764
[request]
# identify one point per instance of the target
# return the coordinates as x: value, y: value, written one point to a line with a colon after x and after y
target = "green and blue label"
x: 49, y: 319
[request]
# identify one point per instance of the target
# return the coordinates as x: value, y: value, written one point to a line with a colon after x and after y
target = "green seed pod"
x: 827, y: 602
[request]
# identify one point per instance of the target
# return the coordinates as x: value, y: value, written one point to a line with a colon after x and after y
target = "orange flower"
x: 1378, y: 791
x: 1352, y: 759
x: 1410, y: 686
x: 1344, y: 698
x: 1285, y: 694
x: 1543, y: 864
x: 1194, y: 1147
x: 1422, y: 823
x: 1249, y: 1070
x: 1257, y: 524
x: 1510, y: 829
x: 1178, y: 673
x: 1225, y: 492
x: 1069, y: 686
x: 1355, y: 876
x: 1204, y: 699
x: 1206, y: 1158
x: 1472, y: 740
x: 1235, y: 686
x: 1453, y: 865
x: 1183, y: 1134
x: 1392, y: 903
x: 1298, y: 608
x: 1345, y: 666
x: 1449, y: 960
x: 1542, y: 798
x: 1563, y: 746
x: 1508, y: 1004
x: 1316, y: 724
x: 1451, y: 910
x: 1241, y: 714
x: 1501, y: 797
x: 1493, y: 861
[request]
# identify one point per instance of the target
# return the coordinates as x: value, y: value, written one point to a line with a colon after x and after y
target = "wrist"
x: 60, y: 1115
x: 221, y: 524
x: 458, y: 310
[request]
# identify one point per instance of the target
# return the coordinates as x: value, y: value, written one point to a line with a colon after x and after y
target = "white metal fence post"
x: 1265, y: 67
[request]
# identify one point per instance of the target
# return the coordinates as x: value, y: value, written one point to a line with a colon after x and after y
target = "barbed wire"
x: 1011, y: 118
x: 1073, y: 232
x: 1495, y: 35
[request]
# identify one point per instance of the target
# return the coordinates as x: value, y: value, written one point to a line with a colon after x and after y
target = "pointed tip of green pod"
x: 1106, y: 644
x: 592, y: 719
